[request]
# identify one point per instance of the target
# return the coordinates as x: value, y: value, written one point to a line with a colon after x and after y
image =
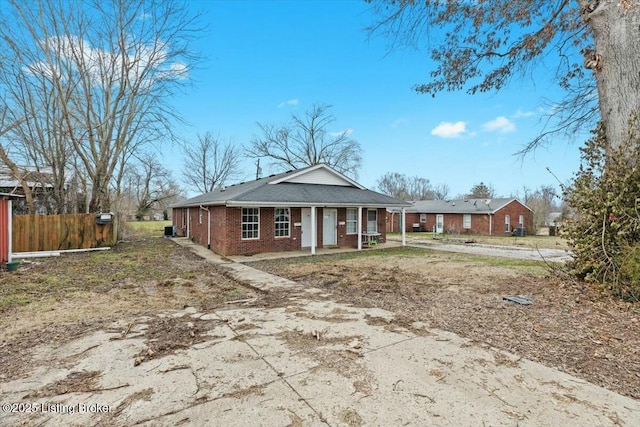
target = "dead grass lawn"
x: 570, y: 326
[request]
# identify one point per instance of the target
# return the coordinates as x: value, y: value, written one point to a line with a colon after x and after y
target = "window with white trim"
x: 372, y: 220
x: 352, y: 221
x: 423, y: 217
x: 507, y: 224
x: 250, y: 223
x: 521, y: 221
x: 282, y: 222
x: 466, y: 221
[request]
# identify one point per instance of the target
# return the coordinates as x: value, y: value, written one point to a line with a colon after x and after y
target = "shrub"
x: 605, y: 233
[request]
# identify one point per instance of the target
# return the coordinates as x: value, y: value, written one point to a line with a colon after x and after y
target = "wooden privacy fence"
x: 33, y: 233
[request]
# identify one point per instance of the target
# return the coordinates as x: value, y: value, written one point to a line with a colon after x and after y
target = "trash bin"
x: 552, y: 230
x: 416, y: 228
x: 519, y: 232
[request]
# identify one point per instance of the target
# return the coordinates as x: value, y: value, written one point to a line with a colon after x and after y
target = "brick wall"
x: 479, y: 222
x: 226, y: 230
x: 514, y: 210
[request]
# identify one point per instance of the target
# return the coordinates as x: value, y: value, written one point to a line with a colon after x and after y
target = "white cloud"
x: 450, y: 130
x: 345, y: 132
x: 500, y: 124
x: 399, y: 122
x: 146, y: 64
x: 288, y: 102
x: 520, y: 114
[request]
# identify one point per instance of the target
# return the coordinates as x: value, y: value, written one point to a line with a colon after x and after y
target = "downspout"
x: 188, y: 223
x: 208, y: 226
x: 404, y: 229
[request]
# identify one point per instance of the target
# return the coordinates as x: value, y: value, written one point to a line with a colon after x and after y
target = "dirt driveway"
x: 358, y: 340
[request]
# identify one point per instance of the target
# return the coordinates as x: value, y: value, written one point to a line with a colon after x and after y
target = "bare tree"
x: 109, y: 68
x: 148, y: 183
x: 480, y: 46
x: 210, y: 163
x: 541, y: 201
x: 307, y: 141
x: 405, y: 187
x: 441, y: 191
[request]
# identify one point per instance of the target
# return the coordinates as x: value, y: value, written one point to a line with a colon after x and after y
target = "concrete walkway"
x: 308, y: 362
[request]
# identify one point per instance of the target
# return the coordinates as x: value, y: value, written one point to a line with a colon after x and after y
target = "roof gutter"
x: 311, y: 204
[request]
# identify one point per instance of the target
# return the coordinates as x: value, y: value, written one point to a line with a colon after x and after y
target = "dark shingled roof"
x: 261, y: 192
x: 461, y: 206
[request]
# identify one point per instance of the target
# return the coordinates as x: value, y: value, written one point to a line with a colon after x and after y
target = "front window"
x: 250, y: 223
x: 282, y: 218
x: 507, y: 223
x: 521, y: 221
x: 372, y: 221
x: 423, y: 218
x: 466, y: 221
x: 352, y: 221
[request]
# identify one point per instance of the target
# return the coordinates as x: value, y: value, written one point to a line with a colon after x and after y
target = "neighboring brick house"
x: 314, y: 207
x: 495, y: 217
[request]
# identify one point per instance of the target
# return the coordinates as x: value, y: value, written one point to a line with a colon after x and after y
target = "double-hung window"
x: 352, y: 221
x: 507, y: 224
x: 282, y: 222
x: 250, y: 223
x: 466, y: 221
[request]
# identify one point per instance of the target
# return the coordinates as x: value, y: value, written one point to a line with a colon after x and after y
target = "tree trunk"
x: 616, y: 34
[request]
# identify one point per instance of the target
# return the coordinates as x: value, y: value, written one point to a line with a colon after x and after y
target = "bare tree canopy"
x: 306, y: 141
x: 405, y: 187
x: 441, y: 191
x: 147, y: 184
x: 541, y: 201
x: 92, y: 81
x: 210, y: 164
x: 481, y: 45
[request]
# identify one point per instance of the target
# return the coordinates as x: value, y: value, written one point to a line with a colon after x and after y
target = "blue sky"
x: 266, y: 60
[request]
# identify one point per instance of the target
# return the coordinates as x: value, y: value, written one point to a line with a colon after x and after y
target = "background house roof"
x: 461, y: 206
x: 277, y: 190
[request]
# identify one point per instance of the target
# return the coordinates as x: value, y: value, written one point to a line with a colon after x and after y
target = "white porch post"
x: 9, y: 220
x: 360, y: 228
x: 404, y: 229
x: 314, y: 230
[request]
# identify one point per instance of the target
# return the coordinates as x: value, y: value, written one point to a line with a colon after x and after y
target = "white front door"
x: 439, y: 223
x: 306, y: 228
x: 329, y: 227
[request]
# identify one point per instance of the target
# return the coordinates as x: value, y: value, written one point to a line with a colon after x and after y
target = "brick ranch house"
x: 314, y: 207
x: 495, y: 217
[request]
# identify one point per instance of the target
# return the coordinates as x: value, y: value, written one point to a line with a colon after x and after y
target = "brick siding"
x: 226, y: 230
x: 453, y: 223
